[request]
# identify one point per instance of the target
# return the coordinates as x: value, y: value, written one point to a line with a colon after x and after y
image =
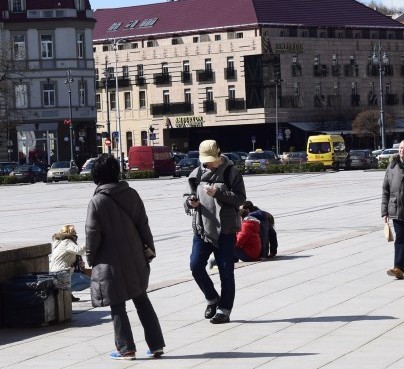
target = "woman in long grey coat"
x: 117, y: 231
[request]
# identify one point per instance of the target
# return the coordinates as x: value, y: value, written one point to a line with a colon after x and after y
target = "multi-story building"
x: 262, y: 73
x: 48, y: 99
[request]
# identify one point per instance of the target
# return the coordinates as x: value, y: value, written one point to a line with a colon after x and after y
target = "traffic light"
x: 151, y: 129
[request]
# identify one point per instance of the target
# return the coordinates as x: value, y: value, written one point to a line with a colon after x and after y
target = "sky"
x: 98, y: 4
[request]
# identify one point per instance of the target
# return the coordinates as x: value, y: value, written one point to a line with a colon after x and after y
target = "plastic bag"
x: 388, y: 234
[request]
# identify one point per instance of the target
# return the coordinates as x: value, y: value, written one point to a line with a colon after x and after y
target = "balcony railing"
x: 355, y: 100
x: 334, y: 101
x: 320, y: 70
x: 122, y: 82
x: 162, y: 79
x: 351, y: 70
x: 336, y: 70
x: 319, y: 101
x: 205, y: 75
x: 291, y: 101
x: 230, y: 73
x: 209, y: 106
x: 235, y: 104
x: 140, y: 80
x: 387, y: 70
x: 172, y: 108
x: 296, y: 70
x: 392, y: 99
x: 186, y: 77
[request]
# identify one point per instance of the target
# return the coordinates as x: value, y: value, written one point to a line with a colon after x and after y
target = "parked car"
x: 294, y: 157
x: 6, y: 167
x: 193, y: 154
x: 186, y: 166
x: 235, y: 158
x: 376, y: 153
x: 243, y: 155
x: 157, y: 158
x: 387, y: 154
x: 178, y: 156
x: 259, y: 160
x: 61, y: 170
x: 29, y: 173
x: 87, y: 167
x: 361, y: 159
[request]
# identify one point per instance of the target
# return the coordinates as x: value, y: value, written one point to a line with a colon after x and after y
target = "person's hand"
x: 210, y: 190
x: 82, y: 264
x: 193, y: 201
x: 386, y: 219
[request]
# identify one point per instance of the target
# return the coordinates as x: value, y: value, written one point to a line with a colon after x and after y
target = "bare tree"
x: 367, y: 124
x: 378, y: 6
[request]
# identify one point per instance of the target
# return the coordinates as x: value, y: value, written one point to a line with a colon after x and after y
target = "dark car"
x: 29, y: 173
x: 258, y: 161
x: 178, y: 156
x: 186, y: 166
x: 235, y: 158
x: 193, y: 154
x: 6, y: 167
x: 295, y: 157
x: 361, y: 159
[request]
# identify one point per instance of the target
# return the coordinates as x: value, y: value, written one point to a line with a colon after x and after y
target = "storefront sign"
x: 289, y: 48
x: 188, y: 122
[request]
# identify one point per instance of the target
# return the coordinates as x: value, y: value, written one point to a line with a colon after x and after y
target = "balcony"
x: 351, y: 70
x: 392, y: 99
x: 186, y: 77
x: 209, y: 106
x: 320, y: 70
x: 230, y: 73
x: 296, y: 70
x: 122, y: 82
x: 319, y: 101
x: 235, y: 104
x: 334, y: 101
x: 172, y: 108
x: 336, y: 70
x: 372, y: 99
x: 291, y: 101
x: 140, y: 80
x: 355, y: 100
x: 205, y: 75
x: 162, y: 79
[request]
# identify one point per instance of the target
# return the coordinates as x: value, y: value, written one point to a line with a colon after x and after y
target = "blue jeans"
x: 80, y: 281
x: 123, y: 333
x: 399, y: 244
x: 224, y: 255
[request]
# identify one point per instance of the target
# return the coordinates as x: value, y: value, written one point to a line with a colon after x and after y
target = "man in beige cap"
x: 216, y: 190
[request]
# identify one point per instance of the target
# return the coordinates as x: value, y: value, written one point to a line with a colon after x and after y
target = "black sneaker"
x: 210, y: 311
x: 220, y: 318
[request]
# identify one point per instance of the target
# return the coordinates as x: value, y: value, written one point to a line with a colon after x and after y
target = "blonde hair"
x: 69, y: 229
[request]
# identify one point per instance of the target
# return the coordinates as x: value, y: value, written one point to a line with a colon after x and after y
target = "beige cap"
x: 208, y: 151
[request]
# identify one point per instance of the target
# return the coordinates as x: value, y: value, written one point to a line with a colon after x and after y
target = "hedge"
x: 291, y: 168
x: 8, y: 180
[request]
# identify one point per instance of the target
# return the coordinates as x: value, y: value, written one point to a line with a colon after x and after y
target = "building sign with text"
x: 189, y: 122
x: 289, y: 48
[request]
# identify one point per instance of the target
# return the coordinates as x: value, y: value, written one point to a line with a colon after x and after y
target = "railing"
x: 186, y: 77
x: 296, y: 70
x: 392, y: 99
x: 172, y: 108
x: 162, y: 79
x: 235, y: 104
x: 336, y: 70
x: 320, y: 70
x: 351, y: 70
x: 230, y: 73
x: 291, y: 101
x: 206, y: 75
x: 140, y: 80
x: 334, y: 101
x: 355, y: 100
x: 209, y: 106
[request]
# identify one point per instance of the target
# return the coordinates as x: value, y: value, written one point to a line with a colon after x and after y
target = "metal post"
x: 106, y: 74
x: 382, y: 125
x: 68, y: 81
x: 276, y: 116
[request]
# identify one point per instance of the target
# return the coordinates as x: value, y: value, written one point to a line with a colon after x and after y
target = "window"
x: 166, y: 97
x: 111, y: 72
x: 150, y: 43
x: 239, y: 35
x: 174, y: 41
x: 294, y: 60
x: 19, y: 47
x: 114, y: 26
x: 148, y: 22
x: 47, y: 46
x: 336, y: 88
x: 187, y: 96
x: 142, y: 99
x: 17, y: 5
x: 296, y: 88
x: 97, y: 74
x: 132, y: 24
x: 112, y: 101
x: 195, y: 39
x: 232, y: 93
x: 48, y: 91
x: 128, y: 102
x: 209, y: 94
x: 125, y: 71
x: 140, y: 70
x: 185, y: 66
x: 318, y: 88
x: 334, y: 59
x: 21, y: 96
x: 230, y: 63
x: 80, y: 45
x: 105, y: 48
x: 79, y: 4
x: 121, y: 46
x: 82, y: 93
x: 164, y: 68
x: 218, y: 37
x: 316, y: 60
x: 135, y: 45
x: 354, y: 88
x: 208, y: 64
x: 98, y: 102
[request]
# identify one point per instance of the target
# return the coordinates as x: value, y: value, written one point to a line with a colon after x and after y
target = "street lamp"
x: 68, y: 81
x: 107, y: 74
x: 115, y: 44
x: 277, y: 81
x: 377, y: 59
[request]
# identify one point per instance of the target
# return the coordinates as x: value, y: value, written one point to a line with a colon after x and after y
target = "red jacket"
x: 248, y: 238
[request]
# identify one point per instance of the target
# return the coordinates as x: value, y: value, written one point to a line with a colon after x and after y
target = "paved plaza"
x: 325, y: 302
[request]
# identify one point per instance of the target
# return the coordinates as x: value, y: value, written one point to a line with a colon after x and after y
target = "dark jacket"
x: 115, y: 235
x: 393, y: 191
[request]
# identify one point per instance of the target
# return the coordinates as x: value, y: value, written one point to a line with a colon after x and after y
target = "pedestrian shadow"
x: 86, y: 319
x: 321, y: 319
x: 235, y: 355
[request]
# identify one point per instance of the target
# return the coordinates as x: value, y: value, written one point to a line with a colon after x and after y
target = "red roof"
x: 193, y: 15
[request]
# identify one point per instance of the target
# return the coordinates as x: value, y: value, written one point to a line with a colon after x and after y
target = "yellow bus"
x: 327, y: 149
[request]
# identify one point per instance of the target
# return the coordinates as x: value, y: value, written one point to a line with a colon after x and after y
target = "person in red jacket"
x: 248, y: 244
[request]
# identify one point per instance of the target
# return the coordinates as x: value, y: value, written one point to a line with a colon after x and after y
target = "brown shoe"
x: 75, y: 299
x: 396, y: 272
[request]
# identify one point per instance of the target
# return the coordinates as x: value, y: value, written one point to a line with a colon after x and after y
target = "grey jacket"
x: 393, y: 191
x: 218, y: 214
x: 114, y: 244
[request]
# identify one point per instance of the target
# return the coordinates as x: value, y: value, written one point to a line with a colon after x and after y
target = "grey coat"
x: 393, y: 191
x: 114, y: 244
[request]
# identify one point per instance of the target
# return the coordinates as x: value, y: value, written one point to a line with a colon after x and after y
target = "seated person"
x: 248, y: 243
x: 269, y: 240
x: 64, y: 255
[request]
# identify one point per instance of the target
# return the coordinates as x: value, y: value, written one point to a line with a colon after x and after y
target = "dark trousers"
x: 224, y: 256
x: 399, y: 244
x: 240, y: 254
x: 148, y: 318
x: 273, y: 241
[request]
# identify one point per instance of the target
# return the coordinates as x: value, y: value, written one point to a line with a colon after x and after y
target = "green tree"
x: 367, y: 124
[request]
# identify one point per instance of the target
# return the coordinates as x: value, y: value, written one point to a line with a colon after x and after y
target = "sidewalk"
x: 325, y: 302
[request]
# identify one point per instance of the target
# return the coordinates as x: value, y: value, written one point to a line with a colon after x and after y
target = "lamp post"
x: 379, y: 60
x: 278, y: 81
x: 106, y: 74
x: 68, y: 81
x: 115, y: 44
